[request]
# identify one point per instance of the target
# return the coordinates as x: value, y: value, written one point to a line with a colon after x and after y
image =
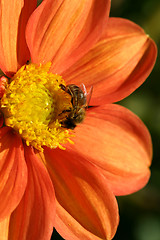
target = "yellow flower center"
x: 34, y: 104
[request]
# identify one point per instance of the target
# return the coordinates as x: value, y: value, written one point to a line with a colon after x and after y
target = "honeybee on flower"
x: 45, y: 180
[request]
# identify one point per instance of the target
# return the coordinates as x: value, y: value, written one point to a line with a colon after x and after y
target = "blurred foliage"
x: 140, y: 212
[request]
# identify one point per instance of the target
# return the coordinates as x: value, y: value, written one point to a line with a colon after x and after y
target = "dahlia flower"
x: 51, y: 175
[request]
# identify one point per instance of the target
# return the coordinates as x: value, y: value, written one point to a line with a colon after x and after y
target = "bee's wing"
x: 87, y: 94
x: 83, y: 88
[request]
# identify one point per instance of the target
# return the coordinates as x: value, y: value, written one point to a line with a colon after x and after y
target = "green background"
x: 140, y: 212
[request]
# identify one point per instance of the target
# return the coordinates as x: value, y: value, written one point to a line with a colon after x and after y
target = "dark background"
x: 140, y: 212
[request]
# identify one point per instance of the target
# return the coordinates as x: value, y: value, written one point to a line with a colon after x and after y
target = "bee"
x: 76, y: 114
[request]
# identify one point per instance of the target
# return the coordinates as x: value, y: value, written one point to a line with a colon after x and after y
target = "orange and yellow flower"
x: 42, y: 185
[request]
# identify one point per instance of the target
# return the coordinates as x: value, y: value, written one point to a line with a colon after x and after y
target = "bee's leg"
x: 63, y: 87
x: 65, y: 111
x: 66, y: 89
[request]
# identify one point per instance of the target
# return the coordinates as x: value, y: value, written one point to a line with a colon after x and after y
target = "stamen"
x: 32, y: 105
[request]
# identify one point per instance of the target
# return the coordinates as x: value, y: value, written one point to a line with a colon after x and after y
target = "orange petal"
x: 13, y: 171
x: 4, y: 227
x: 3, y: 84
x: 117, y: 65
x: 34, y: 217
x: 13, y: 20
x: 86, y: 208
x: 62, y: 31
x: 116, y: 141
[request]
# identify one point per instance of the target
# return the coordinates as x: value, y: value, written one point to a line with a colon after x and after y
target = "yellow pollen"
x: 32, y: 106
